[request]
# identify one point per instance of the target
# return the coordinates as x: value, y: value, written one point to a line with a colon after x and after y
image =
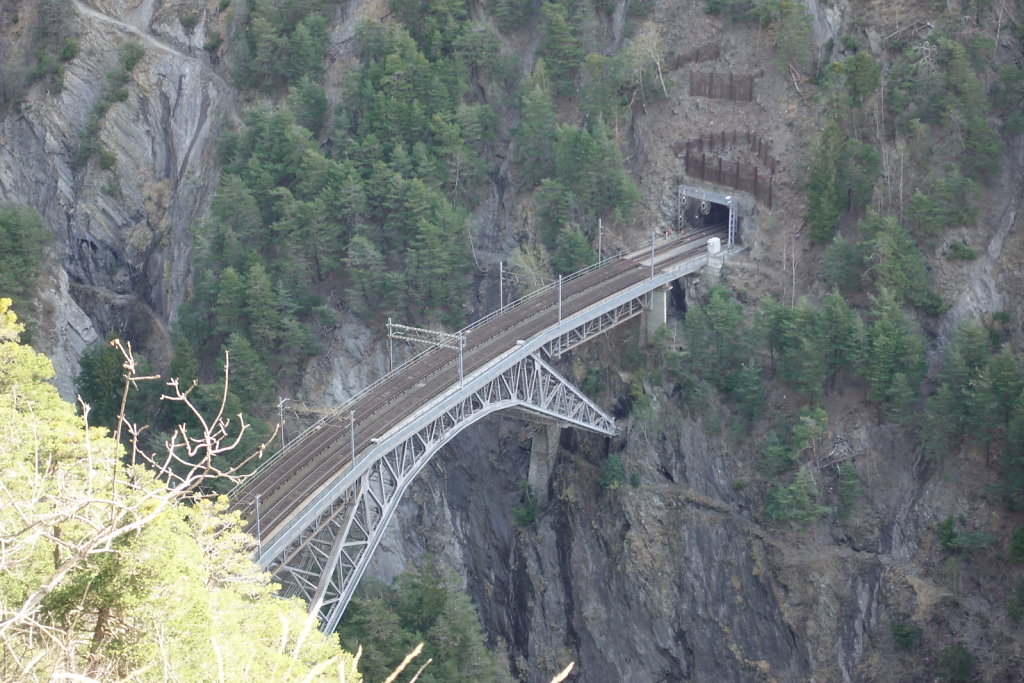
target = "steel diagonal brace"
x: 346, y: 541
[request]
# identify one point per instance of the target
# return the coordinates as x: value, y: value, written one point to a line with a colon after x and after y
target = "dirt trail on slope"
x: 147, y: 38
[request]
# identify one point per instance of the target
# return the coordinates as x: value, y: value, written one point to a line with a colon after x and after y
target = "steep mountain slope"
x: 680, y: 576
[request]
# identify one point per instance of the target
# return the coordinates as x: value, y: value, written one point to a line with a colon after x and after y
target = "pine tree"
x: 230, y: 305
x: 894, y: 347
x: 554, y: 211
x: 559, y: 48
x: 862, y: 73
x: 844, y: 333
x: 430, y: 271
x: 843, y: 265
x: 574, y: 251
x: 309, y: 102
x: 1006, y: 379
x: 21, y: 258
x: 824, y: 205
x: 261, y: 310
x: 535, y: 137
x: 796, y: 502
x: 250, y: 379
x: 858, y: 171
x: 365, y: 266
x: 100, y: 383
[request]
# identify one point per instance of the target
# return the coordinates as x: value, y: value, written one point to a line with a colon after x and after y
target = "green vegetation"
x: 129, y: 55
x: 956, y: 539
x: 1015, y: 603
x: 959, y: 251
x: 559, y: 48
x: 381, y: 214
x: 423, y: 604
x: 956, y: 663
x: 842, y: 179
x: 54, y: 43
x: 1016, y: 550
x: 721, y: 351
x: 795, y: 503
x: 527, y: 513
x: 128, y: 581
x: 935, y: 82
x: 849, y: 488
x: 613, y: 474
x: 282, y: 43
x: 21, y: 260
x: 906, y: 634
x: 784, y: 444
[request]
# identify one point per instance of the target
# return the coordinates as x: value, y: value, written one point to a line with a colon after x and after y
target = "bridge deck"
x: 293, y: 476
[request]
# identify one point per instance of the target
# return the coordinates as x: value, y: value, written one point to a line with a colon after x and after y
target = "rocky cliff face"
x: 119, y: 261
x: 679, y: 578
x: 673, y: 579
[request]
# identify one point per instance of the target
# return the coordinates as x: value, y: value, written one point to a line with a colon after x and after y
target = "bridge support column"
x: 712, y: 272
x: 543, y: 449
x: 656, y: 312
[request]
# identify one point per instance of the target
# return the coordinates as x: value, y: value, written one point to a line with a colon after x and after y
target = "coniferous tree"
x: 554, y: 211
x: 262, y: 311
x: 824, y: 205
x: 535, y: 137
x: 559, y: 48
x: 894, y: 346
x: 21, y: 257
x: 1006, y: 381
x: 844, y: 334
x: 843, y: 265
x: 574, y: 251
x: 230, y: 305
x: 862, y: 73
x: 250, y: 379
x: 309, y: 102
x: 365, y: 266
x: 100, y: 383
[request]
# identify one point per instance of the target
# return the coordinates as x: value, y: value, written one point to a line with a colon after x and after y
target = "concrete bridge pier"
x: 543, y: 449
x: 712, y: 272
x: 655, y: 313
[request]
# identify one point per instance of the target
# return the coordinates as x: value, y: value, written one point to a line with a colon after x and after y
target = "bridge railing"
x: 341, y: 410
x: 413, y: 421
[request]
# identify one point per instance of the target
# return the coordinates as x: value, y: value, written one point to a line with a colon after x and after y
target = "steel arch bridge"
x: 320, y: 506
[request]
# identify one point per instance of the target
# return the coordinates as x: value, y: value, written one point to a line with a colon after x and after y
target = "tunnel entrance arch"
x: 700, y: 208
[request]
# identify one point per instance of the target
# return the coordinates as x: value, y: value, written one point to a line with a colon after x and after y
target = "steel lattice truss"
x: 593, y: 327
x: 323, y: 564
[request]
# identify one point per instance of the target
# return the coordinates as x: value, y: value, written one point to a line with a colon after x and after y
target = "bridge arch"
x: 320, y: 506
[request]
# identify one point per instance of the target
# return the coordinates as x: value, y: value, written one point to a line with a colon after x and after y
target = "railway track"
x: 310, y: 461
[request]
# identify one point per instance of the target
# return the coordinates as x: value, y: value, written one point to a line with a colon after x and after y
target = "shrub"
x: 107, y: 159
x: 613, y: 474
x: 955, y: 539
x: 527, y: 513
x: 188, y: 22
x: 959, y: 251
x: 796, y: 502
x: 130, y: 54
x: 849, y: 488
x: 1015, y: 603
x: 1017, y: 544
x: 956, y: 663
x: 213, y: 41
x: 70, y: 50
x: 906, y: 634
